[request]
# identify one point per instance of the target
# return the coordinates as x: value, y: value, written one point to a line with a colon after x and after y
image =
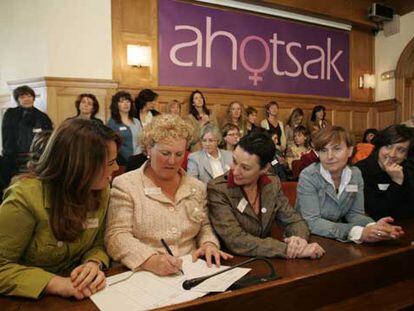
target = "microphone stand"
x: 189, y: 284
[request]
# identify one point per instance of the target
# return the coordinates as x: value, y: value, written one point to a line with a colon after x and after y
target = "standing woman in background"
x: 236, y: 115
x: 87, y: 107
x: 318, y: 119
x: 52, y: 220
x: 123, y: 122
x: 295, y: 119
x: 199, y: 116
x: 19, y: 126
x: 145, y: 106
x: 273, y: 125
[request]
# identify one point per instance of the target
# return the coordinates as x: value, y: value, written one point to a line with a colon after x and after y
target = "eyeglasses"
x: 209, y: 141
x: 233, y: 134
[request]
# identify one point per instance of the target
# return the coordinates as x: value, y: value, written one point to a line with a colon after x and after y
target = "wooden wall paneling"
x: 57, y: 96
x: 361, y: 61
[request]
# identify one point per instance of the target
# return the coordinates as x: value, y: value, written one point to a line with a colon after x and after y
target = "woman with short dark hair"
x: 388, y: 174
x: 19, y: 126
x: 52, y: 219
x: 245, y: 202
x: 330, y: 193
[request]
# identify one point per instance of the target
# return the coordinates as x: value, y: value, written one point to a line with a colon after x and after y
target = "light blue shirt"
x: 324, y: 209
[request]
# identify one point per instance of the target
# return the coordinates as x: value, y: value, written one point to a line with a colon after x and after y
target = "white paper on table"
x: 217, y: 283
x: 145, y: 290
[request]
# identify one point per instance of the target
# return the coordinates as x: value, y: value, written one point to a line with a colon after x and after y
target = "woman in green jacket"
x: 52, y: 219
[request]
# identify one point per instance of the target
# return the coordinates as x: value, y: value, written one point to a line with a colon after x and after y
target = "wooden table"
x: 349, y: 276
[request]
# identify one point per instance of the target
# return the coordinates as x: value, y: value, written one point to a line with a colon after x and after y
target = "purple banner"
x: 206, y: 47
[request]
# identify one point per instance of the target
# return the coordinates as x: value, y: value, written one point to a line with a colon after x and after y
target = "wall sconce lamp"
x: 366, y: 81
x: 388, y: 75
x: 138, y: 55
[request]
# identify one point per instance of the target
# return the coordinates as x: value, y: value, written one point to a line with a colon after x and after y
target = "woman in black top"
x: 388, y: 174
x: 20, y: 124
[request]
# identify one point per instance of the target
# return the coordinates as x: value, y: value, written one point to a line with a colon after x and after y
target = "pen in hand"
x: 167, y: 248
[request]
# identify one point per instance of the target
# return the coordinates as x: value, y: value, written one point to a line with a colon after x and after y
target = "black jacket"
x: 396, y: 201
x: 19, y: 127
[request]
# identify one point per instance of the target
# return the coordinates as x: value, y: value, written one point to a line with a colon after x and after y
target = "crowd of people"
x: 208, y: 189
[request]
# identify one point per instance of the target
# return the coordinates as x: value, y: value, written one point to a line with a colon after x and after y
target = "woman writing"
x: 159, y: 201
x: 52, y: 219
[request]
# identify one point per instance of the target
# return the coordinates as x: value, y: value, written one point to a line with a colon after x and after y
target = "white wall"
x: 387, y: 53
x: 63, y: 38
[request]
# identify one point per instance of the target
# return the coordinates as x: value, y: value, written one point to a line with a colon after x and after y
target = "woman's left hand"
x: 209, y: 250
x: 295, y: 246
x: 88, y: 277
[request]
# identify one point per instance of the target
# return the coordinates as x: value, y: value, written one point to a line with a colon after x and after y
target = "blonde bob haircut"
x: 331, y: 134
x: 165, y: 127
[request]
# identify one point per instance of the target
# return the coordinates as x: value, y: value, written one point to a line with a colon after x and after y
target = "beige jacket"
x: 140, y: 215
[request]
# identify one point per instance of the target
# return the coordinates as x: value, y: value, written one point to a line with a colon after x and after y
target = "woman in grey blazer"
x: 330, y: 194
x: 210, y: 162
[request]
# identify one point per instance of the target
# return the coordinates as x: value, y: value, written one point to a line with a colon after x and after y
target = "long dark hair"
x: 193, y: 110
x: 94, y: 101
x: 145, y: 96
x: 115, y: 109
x: 315, y: 110
x: 75, y: 154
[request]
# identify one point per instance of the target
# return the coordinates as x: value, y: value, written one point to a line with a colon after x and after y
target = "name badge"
x: 123, y: 128
x: 274, y: 162
x: 37, y: 130
x: 383, y: 187
x: 91, y: 223
x: 152, y: 190
x: 242, y: 205
x: 351, y: 188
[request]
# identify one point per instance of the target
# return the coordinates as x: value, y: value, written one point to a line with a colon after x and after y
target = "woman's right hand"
x: 64, y: 287
x: 163, y: 264
x: 313, y: 251
x: 381, y: 230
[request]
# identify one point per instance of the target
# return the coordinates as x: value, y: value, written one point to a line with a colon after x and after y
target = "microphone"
x: 189, y: 284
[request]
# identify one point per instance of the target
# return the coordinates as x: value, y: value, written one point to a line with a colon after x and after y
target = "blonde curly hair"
x: 165, y: 127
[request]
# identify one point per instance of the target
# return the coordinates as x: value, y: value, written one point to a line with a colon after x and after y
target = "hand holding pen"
x: 168, y: 249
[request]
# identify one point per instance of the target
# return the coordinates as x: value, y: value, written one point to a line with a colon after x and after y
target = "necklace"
x: 253, y: 204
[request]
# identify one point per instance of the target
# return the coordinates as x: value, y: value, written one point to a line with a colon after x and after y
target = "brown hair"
x: 75, y: 154
x: 95, y: 103
x: 334, y: 134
